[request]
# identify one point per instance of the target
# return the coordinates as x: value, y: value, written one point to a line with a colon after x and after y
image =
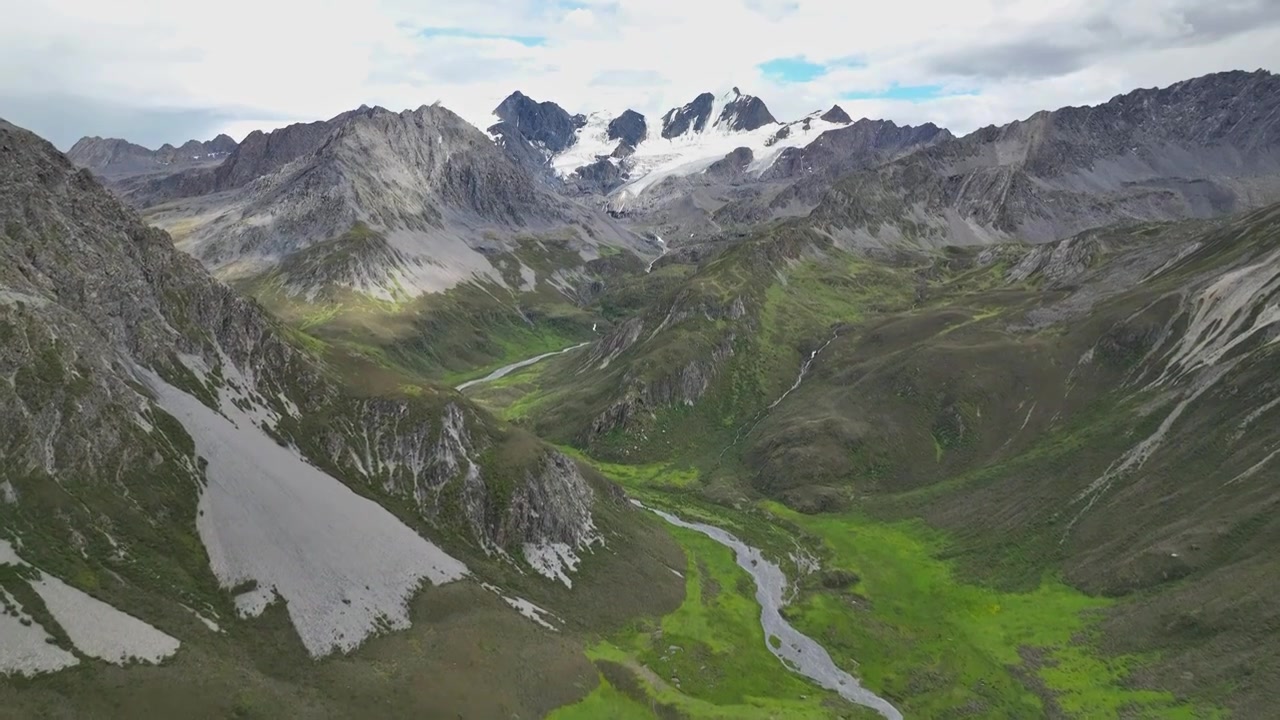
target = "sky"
x: 156, y: 71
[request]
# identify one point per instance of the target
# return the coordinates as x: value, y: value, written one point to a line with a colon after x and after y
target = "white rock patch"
x: 344, y: 565
x: 8, y: 495
x: 552, y: 560
x: 24, y: 645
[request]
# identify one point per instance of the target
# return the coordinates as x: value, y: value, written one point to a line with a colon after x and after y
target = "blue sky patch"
x: 792, y: 70
x: 525, y: 40
x: 910, y: 93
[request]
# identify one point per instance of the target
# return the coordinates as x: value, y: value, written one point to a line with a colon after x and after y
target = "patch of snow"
x: 8, y: 495
x: 9, y: 556
x: 95, y: 628
x: 657, y: 158
x: 525, y: 608
x: 1027, y: 419
x: 213, y: 626
x: 26, y: 648
x: 99, y: 630
x: 552, y: 560
x: 253, y: 603
x: 343, y: 564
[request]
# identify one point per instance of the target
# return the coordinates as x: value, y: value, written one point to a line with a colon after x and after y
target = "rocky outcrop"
x: 744, y: 113
x: 636, y: 405
x: 836, y: 115
x: 434, y: 462
x: 732, y: 167
x: 629, y: 128
x: 544, y: 124
x: 1058, y: 263
x: 262, y: 153
x: 693, y: 117
x: 601, y: 176
x: 1199, y: 148
x: 843, y: 150
x: 737, y: 113
x: 115, y: 159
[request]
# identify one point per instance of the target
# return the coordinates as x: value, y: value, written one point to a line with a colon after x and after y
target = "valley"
x: 582, y: 416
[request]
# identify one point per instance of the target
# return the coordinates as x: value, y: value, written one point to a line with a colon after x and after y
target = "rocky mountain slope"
x: 1199, y: 148
x: 168, y: 449
x: 117, y: 159
x: 427, y: 193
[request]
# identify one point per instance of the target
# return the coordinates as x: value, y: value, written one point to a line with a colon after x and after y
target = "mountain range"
x: 366, y: 415
x: 1200, y: 148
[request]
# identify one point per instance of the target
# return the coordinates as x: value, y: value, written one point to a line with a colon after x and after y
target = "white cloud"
x: 244, y: 61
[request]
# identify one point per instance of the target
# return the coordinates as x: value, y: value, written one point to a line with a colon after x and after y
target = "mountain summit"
x: 116, y: 159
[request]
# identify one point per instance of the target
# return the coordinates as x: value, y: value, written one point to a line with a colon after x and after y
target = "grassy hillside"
x: 1074, y: 440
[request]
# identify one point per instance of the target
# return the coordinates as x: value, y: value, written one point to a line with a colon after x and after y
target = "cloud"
x: 627, y: 78
x: 1048, y: 49
x: 525, y: 40
x: 171, y: 75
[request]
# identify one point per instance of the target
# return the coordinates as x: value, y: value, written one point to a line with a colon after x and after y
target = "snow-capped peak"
x: 687, y: 140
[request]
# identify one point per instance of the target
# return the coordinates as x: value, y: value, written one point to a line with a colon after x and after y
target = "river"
x: 797, y: 651
x: 508, y: 369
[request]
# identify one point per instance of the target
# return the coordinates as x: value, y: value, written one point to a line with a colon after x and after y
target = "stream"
x: 799, y: 652
x: 508, y: 369
x: 663, y: 244
x: 804, y: 370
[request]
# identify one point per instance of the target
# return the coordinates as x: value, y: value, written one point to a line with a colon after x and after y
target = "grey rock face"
x: 1059, y: 263
x: 690, y: 118
x: 524, y: 153
x: 260, y: 154
x: 733, y: 166
x: 799, y: 177
x: 860, y: 144
x: 745, y: 113
x: 546, y: 123
x: 263, y: 153
x: 629, y: 128
x: 600, y: 177
x: 741, y: 113
x: 116, y: 159
x: 1198, y: 148
x: 836, y: 115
